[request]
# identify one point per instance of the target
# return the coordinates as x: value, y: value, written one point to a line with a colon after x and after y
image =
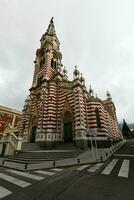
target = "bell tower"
x: 48, y: 56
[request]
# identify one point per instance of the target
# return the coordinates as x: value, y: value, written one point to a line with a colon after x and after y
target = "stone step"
x: 46, y: 155
x: 35, y: 159
x: 31, y: 153
x: 43, y: 157
x: 66, y: 146
x: 26, y: 146
x: 25, y: 160
x: 32, y: 161
x: 50, y: 156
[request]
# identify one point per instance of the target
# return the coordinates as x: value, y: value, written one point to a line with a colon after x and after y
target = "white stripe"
x: 110, y: 167
x: 38, y: 178
x: 82, y: 167
x: 57, y: 169
x: 95, y: 167
x: 4, y: 192
x: 45, y: 172
x: 14, y: 180
x: 124, y: 170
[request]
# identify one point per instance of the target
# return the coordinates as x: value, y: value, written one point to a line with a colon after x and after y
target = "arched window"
x: 40, y: 80
x: 41, y: 64
x: 97, y: 118
x: 52, y: 62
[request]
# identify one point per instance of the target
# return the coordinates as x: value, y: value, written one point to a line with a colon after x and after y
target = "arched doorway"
x: 33, y: 134
x: 33, y: 129
x: 68, y: 127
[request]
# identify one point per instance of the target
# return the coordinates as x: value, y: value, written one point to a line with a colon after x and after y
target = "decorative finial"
x: 64, y: 70
x: 82, y: 80
x: 93, y: 93
x: 75, y: 67
x: 91, y: 90
x: 108, y: 95
x: 76, y: 72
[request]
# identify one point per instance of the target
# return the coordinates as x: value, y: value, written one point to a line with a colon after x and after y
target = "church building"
x: 59, y: 110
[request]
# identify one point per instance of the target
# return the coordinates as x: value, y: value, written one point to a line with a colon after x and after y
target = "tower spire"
x: 50, y: 34
x: 51, y: 21
x: 51, y: 28
x: 109, y: 96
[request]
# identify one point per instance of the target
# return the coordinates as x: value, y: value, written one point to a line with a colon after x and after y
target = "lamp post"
x: 91, y: 142
x: 95, y: 133
x: 92, y: 133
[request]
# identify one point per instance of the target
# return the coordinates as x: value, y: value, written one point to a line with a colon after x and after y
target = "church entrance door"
x: 33, y: 134
x: 68, y: 136
x: 67, y: 127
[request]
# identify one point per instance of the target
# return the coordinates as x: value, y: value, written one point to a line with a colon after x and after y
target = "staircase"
x: 26, y: 146
x: 33, y: 154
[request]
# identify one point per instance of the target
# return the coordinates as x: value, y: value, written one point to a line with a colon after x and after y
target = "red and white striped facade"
x: 54, y: 101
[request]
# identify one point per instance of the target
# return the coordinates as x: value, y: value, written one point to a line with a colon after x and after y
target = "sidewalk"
x: 84, y: 158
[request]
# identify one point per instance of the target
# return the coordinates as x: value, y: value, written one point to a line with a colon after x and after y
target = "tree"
x: 126, y: 130
x: 132, y: 134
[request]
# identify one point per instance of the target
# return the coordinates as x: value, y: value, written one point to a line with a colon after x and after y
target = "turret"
x: 65, y: 73
x: 82, y: 80
x: 76, y: 73
x: 109, y: 96
x: 91, y: 92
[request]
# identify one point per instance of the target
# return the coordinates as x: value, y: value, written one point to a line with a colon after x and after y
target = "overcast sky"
x: 95, y: 35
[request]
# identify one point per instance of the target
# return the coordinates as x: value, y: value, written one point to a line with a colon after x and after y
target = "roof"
x: 10, y: 110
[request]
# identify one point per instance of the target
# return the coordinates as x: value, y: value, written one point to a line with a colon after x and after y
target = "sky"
x: 95, y: 35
